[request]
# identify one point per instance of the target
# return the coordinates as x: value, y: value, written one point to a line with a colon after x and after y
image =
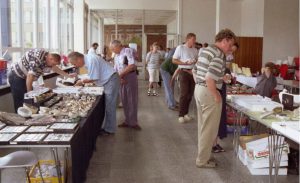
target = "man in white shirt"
x: 185, y: 57
x: 102, y: 74
x: 93, y: 49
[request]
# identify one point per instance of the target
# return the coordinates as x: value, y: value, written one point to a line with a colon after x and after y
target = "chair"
x: 20, y: 159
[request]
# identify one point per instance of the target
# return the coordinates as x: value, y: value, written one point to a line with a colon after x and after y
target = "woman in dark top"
x: 266, y: 82
x: 167, y: 69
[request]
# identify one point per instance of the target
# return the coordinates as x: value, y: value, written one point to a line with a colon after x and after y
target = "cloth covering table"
x: 79, y: 150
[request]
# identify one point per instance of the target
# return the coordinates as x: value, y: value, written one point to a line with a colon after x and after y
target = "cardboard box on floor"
x: 249, y: 138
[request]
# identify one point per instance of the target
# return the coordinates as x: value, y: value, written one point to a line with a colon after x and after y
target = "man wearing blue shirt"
x: 102, y: 74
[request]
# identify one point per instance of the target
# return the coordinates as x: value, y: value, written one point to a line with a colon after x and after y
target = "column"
x: 79, y: 36
x: 179, y: 22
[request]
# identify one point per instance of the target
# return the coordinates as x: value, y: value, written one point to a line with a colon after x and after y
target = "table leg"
x: 66, y: 164
x: 237, y: 132
x: 57, y: 163
x: 276, y: 145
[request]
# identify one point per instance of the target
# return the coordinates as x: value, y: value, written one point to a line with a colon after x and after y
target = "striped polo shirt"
x: 211, y: 62
x: 32, y: 62
x: 153, y: 60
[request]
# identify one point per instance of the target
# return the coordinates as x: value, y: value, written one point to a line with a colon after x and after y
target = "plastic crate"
x: 46, y: 179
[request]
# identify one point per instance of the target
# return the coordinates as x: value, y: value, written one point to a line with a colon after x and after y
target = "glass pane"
x: 41, y: 23
x: 14, y: 23
x: 54, y: 25
x: 5, y: 23
x: 95, y: 30
x: 28, y: 23
x: 15, y: 56
x: 70, y: 29
x: 62, y: 18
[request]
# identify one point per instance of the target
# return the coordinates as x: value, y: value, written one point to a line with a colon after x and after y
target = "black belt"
x: 202, y: 84
x: 186, y: 69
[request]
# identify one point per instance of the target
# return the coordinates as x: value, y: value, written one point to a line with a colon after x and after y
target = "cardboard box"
x: 259, y: 148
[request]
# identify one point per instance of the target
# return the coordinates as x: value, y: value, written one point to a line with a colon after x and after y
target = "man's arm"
x: 60, y: 72
x: 178, y: 62
x: 128, y: 69
x: 29, y: 81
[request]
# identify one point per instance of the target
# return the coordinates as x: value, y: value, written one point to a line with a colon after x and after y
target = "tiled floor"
x: 163, y: 152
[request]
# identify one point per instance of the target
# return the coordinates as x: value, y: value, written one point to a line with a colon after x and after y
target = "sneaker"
x: 149, y: 93
x: 154, y: 93
x: 181, y: 120
x: 209, y: 164
x: 215, y: 149
x: 187, y: 118
x: 220, y: 148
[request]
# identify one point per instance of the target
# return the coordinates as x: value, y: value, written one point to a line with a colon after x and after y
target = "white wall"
x: 133, y: 4
x: 281, y: 29
x: 199, y: 17
x: 230, y: 15
x: 243, y: 17
x: 252, y: 18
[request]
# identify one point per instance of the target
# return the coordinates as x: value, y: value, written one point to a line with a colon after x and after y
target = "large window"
x: 42, y: 7
x: 95, y: 29
x: 15, y: 21
x: 70, y: 27
x: 27, y: 24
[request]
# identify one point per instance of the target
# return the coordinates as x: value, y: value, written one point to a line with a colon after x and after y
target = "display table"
x: 77, y: 150
x: 275, y: 131
x: 291, y: 85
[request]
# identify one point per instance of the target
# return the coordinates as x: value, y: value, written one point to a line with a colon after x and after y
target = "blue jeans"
x: 18, y: 89
x: 111, y: 92
x: 169, y: 92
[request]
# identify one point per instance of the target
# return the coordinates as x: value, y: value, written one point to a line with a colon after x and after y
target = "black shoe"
x: 105, y: 133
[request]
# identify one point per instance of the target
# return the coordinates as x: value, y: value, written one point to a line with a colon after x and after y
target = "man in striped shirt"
x: 33, y: 64
x: 209, y: 74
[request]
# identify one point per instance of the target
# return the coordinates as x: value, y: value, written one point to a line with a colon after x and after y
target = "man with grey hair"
x: 102, y: 74
x: 125, y: 66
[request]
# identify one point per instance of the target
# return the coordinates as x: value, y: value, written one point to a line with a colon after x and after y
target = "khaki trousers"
x: 209, y: 114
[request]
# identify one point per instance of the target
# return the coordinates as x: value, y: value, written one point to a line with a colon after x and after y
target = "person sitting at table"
x: 33, y: 64
x: 103, y: 74
x: 266, y: 82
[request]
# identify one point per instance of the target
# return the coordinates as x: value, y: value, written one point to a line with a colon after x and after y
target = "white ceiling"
x: 135, y: 17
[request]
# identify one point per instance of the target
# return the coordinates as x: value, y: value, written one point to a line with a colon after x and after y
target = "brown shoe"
x: 209, y: 164
x: 136, y: 127
x: 123, y: 125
